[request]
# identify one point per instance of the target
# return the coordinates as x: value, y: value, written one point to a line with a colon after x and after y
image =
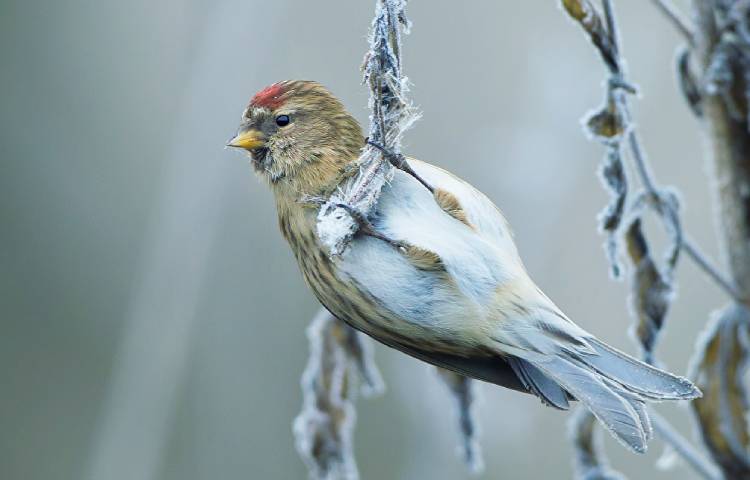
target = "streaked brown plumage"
x: 437, y: 275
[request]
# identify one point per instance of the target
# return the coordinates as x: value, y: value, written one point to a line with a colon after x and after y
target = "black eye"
x: 282, y: 120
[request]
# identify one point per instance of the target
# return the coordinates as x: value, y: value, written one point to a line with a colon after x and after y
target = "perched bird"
x: 434, y: 271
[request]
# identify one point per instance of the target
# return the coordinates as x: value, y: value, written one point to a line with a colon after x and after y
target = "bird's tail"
x: 614, y: 386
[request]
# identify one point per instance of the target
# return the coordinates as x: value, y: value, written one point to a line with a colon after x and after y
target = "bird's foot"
x: 367, y: 228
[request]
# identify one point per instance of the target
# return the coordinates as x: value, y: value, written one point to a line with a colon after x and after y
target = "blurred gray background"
x: 152, y: 321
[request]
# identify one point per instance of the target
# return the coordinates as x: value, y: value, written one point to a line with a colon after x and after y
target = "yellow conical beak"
x: 248, y: 139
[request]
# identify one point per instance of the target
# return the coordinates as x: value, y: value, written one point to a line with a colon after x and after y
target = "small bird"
x: 434, y: 271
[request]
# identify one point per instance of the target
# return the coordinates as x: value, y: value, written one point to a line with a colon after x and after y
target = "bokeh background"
x: 152, y: 321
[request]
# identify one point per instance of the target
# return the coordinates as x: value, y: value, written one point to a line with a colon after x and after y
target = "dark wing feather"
x: 540, y: 384
x: 493, y: 369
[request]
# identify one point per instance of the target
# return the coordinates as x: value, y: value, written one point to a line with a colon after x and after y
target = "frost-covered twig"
x: 340, y: 216
x: 323, y: 429
x: 674, y: 16
x: 684, y: 448
x: 705, y: 264
x: 720, y: 359
x: 464, y: 394
x: 590, y: 462
x: 391, y: 114
x: 722, y: 54
x: 718, y: 369
x: 687, y: 245
x: 652, y: 283
x: 611, y: 124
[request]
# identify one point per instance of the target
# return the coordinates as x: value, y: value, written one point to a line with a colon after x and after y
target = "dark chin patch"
x: 262, y: 162
x: 259, y: 155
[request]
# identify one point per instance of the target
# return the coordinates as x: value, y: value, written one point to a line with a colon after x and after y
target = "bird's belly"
x: 378, y: 291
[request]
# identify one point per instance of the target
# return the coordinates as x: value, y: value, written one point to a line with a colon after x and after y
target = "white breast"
x: 477, y: 260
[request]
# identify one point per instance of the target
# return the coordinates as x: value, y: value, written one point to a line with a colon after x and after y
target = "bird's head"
x: 299, y: 135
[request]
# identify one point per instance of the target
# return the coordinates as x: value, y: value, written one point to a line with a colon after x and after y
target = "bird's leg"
x: 399, y: 161
x: 367, y: 228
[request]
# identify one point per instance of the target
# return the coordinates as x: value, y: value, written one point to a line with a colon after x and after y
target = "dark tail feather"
x: 613, y: 410
x: 539, y: 384
x: 613, y: 386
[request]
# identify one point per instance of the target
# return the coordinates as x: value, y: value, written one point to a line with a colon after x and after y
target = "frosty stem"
x: 610, y: 125
x: 684, y: 448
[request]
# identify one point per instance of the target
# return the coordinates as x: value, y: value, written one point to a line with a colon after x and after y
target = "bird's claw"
x: 367, y: 228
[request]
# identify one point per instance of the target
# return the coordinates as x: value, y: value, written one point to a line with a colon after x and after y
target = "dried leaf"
x: 590, y: 462
x: 358, y: 348
x: 323, y: 429
x: 583, y: 12
x: 612, y: 174
x: 688, y: 83
x: 651, y: 292
x: 608, y: 124
x: 718, y: 369
x: 667, y: 206
x: 462, y: 389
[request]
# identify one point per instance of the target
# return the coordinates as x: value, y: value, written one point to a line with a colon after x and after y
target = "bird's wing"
x: 478, y: 292
x: 610, y: 383
x: 482, y: 296
x: 481, y: 213
x: 474, y: 259
x: 444, y: 291
x: 478, y: 254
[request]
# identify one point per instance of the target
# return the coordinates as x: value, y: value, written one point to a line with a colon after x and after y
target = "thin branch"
x: 340, y: 359
x: 614, y: 35
x: 463, y: 392
x: 644, y: 169
x: 684, y: 448
x: 689, y: 246
x: 675, y: 17
x: 668, y: 434
x: 589, y: 462
x: 645, y: 174
x: 705, y: 264
x: 391, y: 114
x: 652, y: 285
